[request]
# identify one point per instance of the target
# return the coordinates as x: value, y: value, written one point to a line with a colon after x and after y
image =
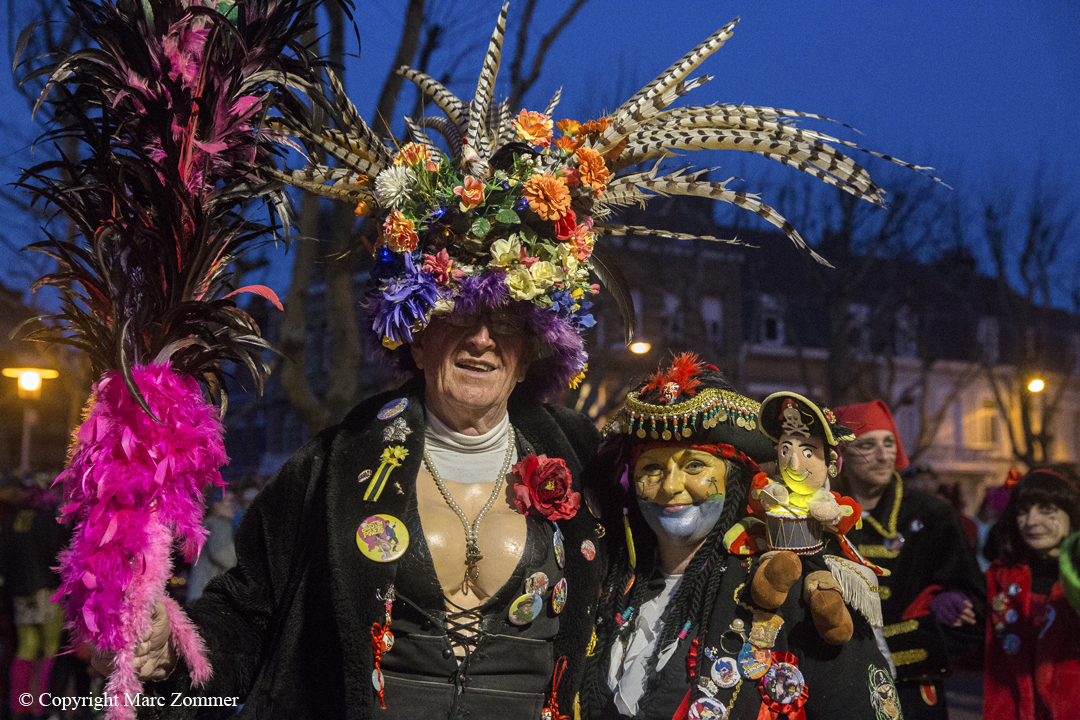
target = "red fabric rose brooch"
x: 543, y: 485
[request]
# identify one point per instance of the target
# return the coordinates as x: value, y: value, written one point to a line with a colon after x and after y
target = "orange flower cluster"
x: 548, y: 196
x: 569, y: 127
x: 568, y: 145
x: 593, y: 170
x: 533, y: 127
x: 399, y: 232
x: 412, y: 154
x: 595, y: 127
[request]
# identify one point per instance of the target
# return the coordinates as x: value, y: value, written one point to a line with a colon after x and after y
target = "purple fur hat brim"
x: 562, y: 353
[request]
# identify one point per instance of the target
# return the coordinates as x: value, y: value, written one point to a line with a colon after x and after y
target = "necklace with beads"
x: 472, y: 530
x: 891, y: 533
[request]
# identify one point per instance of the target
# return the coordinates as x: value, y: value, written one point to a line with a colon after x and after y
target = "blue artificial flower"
x: 406, y: 299
x: 582, y: 318
x: 562, y: 302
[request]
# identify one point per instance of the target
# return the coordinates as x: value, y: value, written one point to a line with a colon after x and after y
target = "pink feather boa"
x: 134, y: 487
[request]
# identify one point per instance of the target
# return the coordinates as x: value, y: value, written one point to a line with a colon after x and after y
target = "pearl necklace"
x: 472, y: 530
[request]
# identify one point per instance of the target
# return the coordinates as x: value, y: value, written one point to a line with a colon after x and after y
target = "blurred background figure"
x: 1032, y: 668
x: 219, y: 553
x: 29, y: 543
x: 933, y: 599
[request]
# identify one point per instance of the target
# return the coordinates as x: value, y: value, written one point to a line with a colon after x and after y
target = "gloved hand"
x: 953, y: 609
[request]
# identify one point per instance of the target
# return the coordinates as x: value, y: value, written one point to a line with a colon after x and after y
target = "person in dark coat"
x: 933, y: 600
x: 677, y: 631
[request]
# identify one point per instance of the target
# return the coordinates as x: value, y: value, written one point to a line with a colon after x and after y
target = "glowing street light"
x: 29, y: 389
x: 1036, y: 385
x: 640, y: 348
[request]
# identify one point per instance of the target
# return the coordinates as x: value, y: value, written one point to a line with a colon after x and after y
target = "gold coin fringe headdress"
x: 508, y: 212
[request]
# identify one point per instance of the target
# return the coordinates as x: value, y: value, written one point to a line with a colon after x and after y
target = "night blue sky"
x: 988, y: 92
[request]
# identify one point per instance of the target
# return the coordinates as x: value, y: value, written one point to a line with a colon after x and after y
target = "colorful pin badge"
x: 525, y: 609
x: 754, y: 661
x: 707, y: 708
x: 1014, y: 590
x: 560, y: 549
x: 783, y: 683
x: 1011, y: 616
x: 363, y: 476
x: 393, y: 408
x: 537, y: 583
x: 999, y: 604
x: 558, y: 596
x: 588, y: 549
x: 725, y: 672
x: 1011, y: 644
x: 391, y: 458
x: 382, y: 538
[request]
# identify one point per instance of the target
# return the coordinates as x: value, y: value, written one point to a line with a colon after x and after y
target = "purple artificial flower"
x: 402, y: 301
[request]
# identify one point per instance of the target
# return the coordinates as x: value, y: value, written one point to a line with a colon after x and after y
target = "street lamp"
x: 640, y: 347
x: 29, y: 389
x: 1036, y: 385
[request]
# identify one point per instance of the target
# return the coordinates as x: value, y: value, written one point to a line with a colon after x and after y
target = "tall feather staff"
x: 168, y: 101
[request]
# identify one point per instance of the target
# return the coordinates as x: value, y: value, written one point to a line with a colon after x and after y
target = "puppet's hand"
x: 773, y: 494
x: 827, y: 511
x: 155, y: 656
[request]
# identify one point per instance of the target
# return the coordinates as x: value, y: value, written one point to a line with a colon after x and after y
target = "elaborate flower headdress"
x: 511, y: 212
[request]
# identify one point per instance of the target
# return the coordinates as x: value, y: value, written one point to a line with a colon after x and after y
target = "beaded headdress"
x: 506, y: 213
x: 676, y: 410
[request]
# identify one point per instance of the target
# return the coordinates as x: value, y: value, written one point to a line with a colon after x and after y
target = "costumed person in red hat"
x: 679, y: 633
x: 1032, y: 662
x: 932, y: 600
x: 383, y: 567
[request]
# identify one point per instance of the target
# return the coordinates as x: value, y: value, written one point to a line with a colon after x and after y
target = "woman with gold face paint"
x: 676, y: 628
x: 1032, y: 661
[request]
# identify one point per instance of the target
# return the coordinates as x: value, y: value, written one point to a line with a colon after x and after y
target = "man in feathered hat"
x: 678, y: 631
x: 932, y: 600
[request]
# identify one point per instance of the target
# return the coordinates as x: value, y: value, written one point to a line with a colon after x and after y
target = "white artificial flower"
x: 392, y: 186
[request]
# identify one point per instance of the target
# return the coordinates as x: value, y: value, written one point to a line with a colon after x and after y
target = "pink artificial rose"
x: 543, y: 484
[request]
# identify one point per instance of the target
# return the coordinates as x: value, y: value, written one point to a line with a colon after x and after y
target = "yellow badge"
x: 391, y: 458
x: 382, y: 538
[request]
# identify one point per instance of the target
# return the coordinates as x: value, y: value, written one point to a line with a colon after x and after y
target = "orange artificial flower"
x: 412, y: 154
x: 471, y: 193
x: 595, y: 127
x: 548, y: 196
x: 567, y: 145
x: 400, y: 233
x: 533, y: 127
x: 569, y: 127
x: 362, y: 209
x: 593, y: 170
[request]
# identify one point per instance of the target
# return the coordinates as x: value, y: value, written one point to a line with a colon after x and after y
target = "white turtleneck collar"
x: 466, y: 458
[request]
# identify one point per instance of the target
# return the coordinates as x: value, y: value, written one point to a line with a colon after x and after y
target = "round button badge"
x: 725, y: 672
x: 1011, y: 644
x: 525, y: 609
x: 707, y: 708
x: 537, y: 583
x: 783, y: 683
x: 558, y: 596
x: 754, y: 661
x: 393, y: 408
x: 382, y: 538
x: 588, y: 549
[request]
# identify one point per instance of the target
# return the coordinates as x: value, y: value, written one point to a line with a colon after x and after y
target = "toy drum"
x: 801, y: 535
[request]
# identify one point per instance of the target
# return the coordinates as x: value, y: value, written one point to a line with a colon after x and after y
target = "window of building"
x: 987, y: 335
x: 771, y: 331
x: 985, y: 426
x: 712, y: 315
x: 859, y: 326
x: 906, y: 342
x: 673, y: 318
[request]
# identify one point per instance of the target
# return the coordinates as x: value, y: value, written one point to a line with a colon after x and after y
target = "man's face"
x: 1042, y: 526
x: 871, y: 458
x: 471, y: 365
x: 802, y: 463
x: 671, y: 476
